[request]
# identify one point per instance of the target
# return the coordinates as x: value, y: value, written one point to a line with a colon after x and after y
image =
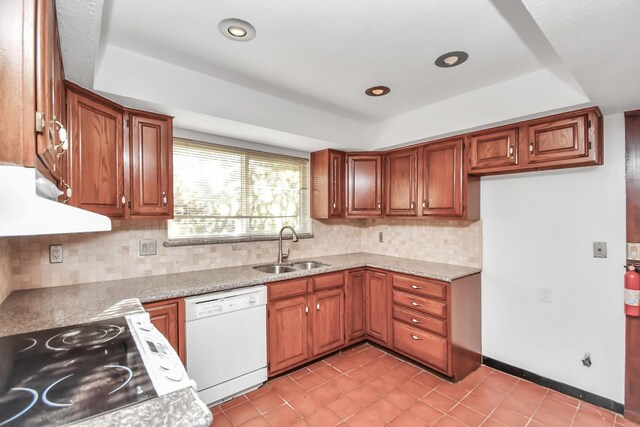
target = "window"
x: 226, y: 192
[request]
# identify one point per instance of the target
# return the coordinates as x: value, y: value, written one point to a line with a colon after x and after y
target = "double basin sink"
x: 290, y: 267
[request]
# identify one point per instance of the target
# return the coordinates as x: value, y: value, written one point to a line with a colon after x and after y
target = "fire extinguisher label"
x: 632, y: 297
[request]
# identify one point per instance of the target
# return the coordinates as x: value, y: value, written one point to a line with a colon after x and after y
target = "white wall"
x: 538, y: 231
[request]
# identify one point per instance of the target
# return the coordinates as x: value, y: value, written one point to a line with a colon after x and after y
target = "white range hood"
x: 25, y: 209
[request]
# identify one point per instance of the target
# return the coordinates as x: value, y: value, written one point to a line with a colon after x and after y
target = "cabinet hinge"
x: 589, y: 123
x: 127, y: 122
x: 129, y: 203
x: 589, y: 145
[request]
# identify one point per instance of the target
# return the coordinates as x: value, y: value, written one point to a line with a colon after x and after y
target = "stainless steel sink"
x: 288, y: 268
x: 307, y: 265
x: 274, y: 268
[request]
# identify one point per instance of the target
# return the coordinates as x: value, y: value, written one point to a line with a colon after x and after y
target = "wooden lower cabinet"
x: 288, y: 333
x: 169, y: 318
x: 327, y: 321
x: 435, y: 323
x: 377, y: 306
x: 302, y: 323
x: 355, y: 318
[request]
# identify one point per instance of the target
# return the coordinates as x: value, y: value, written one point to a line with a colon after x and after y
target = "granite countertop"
x: 44, y: 308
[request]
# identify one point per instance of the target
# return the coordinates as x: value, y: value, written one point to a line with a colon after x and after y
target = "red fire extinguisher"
x: 632, y: 292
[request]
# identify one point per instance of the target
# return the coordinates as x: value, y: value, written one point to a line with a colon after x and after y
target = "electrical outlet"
x: 55, y: 254
x: 599, y: 249
x: 546, y: 294
x: 380, y: 237
x: 148, y: 247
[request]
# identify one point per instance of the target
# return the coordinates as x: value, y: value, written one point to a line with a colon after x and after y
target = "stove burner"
x: 34, y: 399
x: 129, y: 372
x: 84, y: 335
x: 33, y: 343
x: 46, y: 400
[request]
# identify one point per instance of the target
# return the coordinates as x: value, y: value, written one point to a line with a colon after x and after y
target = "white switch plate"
x: 546, y: 294
x: 633, y: 251
x: 148, y: 247
x: 55, y: 254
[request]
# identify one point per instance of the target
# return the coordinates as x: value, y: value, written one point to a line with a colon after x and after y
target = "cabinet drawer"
x: 420, y: 286
x: 328, y: 281
x: 428, y: 348
x: 424, y: 305
x: 420, y: 320
x: 287, y: 289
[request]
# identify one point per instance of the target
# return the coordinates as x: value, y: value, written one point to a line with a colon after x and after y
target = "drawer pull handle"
x: 415, y: 337
x: 415, y: 304
x: 415, y: 321
x: 415, y: 287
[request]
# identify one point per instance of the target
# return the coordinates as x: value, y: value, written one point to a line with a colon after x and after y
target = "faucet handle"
x: 285, y: 256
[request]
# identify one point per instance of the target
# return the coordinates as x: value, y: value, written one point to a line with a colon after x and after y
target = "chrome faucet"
x: 282, y: 257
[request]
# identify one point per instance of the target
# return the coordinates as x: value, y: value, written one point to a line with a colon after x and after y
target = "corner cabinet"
x: 364, y: 185
x: 150, y: 164
x: 560, y: 141
x: 327, y: 184
x: 442, y: 178
x: 120, y: 160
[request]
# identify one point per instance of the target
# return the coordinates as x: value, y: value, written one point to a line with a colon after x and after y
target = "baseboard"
x: 567, y: 389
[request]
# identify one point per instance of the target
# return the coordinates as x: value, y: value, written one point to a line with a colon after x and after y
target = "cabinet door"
x: 151, y: 172
x: 336, y: 184
x: 288, y: 333
x: 377, y: 306
x: 401, y: 187
x: 97, y: 169
x: 168, y: 317
x: 557, y: 140
x: 327, y: 320
x: 442, y: 178
x: 355, y: 305
x: 364, y: 185
x: 493, y: 150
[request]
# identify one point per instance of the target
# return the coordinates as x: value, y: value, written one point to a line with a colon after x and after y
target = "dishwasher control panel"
x: 225, y: 302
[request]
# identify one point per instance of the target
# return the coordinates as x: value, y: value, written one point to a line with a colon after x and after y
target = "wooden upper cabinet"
x: 493, y: 150
x: 96, y: 173
x: 150, y: 164
x: 560, y: 141
x: 327, y: 320
x: 327, y: 184
x: 355, y: 305
x: 401, y: 186
x: 364, y: 185
x: 288, y: 333
x: 442, y: 178
x: 377, y: 304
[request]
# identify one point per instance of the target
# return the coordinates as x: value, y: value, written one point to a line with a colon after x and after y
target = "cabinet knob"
x: 318, y: 306
x: 415, y: 287
x: 511, y: 151
x: 413, y: 205
x: 415, y: 321
x: 415, y: 304
x: 68, y: 192
x: 379, y: 205
x: 164, y: 199
x: 123, y: 199
x: 531, y: 147
x: 424, y: 204
x: 334, y: 206
x: 415, y: 337
x: 306, y: 309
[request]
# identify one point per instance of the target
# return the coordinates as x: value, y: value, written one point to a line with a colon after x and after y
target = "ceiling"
x: 300, y: 83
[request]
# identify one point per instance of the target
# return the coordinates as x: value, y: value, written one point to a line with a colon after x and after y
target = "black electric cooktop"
x: 58, y: 376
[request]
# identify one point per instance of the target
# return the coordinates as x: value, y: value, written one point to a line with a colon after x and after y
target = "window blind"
x: 223, y: 192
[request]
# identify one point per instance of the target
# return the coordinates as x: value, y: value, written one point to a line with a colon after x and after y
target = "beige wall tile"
x: 114, y: 255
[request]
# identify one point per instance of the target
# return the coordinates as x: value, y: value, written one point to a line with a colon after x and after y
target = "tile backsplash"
x: 91, y: 257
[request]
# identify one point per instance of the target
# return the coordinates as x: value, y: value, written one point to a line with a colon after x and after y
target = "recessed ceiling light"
x: 237, y: 29
x: 377, y: 91
x: 452, y: 59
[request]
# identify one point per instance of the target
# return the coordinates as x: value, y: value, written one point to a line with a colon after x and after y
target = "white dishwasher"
x: 227, y: 342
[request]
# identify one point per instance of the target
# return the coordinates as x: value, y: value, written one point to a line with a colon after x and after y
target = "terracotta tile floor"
x: 366, y: 387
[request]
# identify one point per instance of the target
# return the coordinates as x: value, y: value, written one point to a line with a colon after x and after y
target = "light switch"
x: 633, y: 251
x: 599, y: 249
